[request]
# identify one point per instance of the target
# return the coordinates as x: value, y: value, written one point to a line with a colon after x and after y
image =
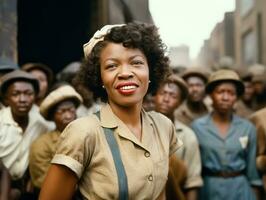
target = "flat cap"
x: 60, y: 94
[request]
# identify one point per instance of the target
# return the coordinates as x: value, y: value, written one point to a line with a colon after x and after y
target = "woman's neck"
x: 131, y: 116
x: 222, y: 117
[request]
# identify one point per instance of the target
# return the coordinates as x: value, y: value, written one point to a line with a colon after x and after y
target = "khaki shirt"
x: 185, y: 115
x: 190, y: 154
x: 15, y: 144
x: 83, y: 149
x: 41, y: 153
x: 258, y: 118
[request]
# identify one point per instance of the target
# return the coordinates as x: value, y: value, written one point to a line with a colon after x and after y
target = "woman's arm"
x: 60, y: 183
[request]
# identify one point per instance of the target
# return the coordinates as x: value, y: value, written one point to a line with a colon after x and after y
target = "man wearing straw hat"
x: 59, y: 106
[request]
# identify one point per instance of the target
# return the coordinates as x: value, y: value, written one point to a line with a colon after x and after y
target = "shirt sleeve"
x: 39, y: 161
x: 75, y: 147
x: 193, y: 162
x: 175, y: 142
x: 251, y: 171
x: 261, y: 143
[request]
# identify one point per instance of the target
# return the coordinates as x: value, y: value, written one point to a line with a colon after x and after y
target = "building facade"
x: 250, y: 33
x: 220, y: 44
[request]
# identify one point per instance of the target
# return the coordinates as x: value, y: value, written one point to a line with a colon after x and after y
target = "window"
x: 246, y: 6
x: 249, y: 48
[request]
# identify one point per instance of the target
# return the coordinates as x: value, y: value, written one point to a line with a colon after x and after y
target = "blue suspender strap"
x: 121, y: 174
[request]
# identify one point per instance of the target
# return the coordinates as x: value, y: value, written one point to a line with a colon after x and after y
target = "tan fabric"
x: 242, y: 110
x: 83, y: 149
x: 224, y: 75
x: 41, y: 153
x: 15, y: 144
x: 258, y: 118
x: 185, y: 115
x: 60, y: 94
x: 189, y: 153
x: 97, y: 37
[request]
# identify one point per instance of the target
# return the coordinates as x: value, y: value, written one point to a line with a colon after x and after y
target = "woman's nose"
x: 125, y: 72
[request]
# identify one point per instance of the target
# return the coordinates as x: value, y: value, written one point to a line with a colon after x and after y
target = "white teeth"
x: 128, y: 87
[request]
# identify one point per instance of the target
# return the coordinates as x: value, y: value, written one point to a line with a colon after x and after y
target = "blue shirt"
x: 231, y: 153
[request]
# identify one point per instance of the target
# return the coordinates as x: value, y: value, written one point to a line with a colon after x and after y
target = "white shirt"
x: 190, y: 154
x: 14, y: 144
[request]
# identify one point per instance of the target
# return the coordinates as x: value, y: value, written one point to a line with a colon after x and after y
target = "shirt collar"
x: 110, y: 120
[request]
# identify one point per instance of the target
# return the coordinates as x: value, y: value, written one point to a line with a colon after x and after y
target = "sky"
x: 188, y: 22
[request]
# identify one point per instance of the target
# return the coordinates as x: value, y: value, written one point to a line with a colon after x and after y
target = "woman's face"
x: 125, y: 74
x: 224, y: 97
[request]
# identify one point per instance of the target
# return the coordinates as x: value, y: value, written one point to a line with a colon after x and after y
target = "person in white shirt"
x: 19, y: 127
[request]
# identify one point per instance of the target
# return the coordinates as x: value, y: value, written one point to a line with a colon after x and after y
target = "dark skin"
x: 64, y: 113
x: 196, y: 89
x: 224, y: 96
x: 5, y: 182
x: 166, y: 100
x: 20, y: 96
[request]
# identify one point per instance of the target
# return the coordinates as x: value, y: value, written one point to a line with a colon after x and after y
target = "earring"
x: 103, y: 86
x: 149, y: 81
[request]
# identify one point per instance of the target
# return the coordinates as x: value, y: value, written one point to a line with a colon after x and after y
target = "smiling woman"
x: 122, y: 63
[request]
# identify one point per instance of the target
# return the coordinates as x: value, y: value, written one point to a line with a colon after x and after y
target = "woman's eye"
x: 110, y: 66
x: 137, y: 62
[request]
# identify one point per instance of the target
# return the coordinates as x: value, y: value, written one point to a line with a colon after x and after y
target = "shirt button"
x: 147, y: 154
x: 150, y: 178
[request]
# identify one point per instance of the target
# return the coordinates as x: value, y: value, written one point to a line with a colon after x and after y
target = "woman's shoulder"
x: 158, y: 117
x: 83, y: 126
x: 240, y: 120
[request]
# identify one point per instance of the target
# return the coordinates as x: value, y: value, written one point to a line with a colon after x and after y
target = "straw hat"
x: 60, y: 94
x: 224, y: 75
x: 18, y: 75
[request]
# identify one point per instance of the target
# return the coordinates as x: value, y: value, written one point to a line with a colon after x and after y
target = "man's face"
x: 249, y: 91
x: 196, y: 88
x: 20, y: 96
x: 224, y: 97
x: 167, y: 99
x: 64, y: 113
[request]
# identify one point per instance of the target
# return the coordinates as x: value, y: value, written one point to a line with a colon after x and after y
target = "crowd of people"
x: 121, y: 124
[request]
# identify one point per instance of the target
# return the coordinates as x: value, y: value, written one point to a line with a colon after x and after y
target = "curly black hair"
x: 132, y: 35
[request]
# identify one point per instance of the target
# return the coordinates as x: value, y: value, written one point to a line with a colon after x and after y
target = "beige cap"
x: 224, y: 75
x: 60, y: 94
x: 195, y: 71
